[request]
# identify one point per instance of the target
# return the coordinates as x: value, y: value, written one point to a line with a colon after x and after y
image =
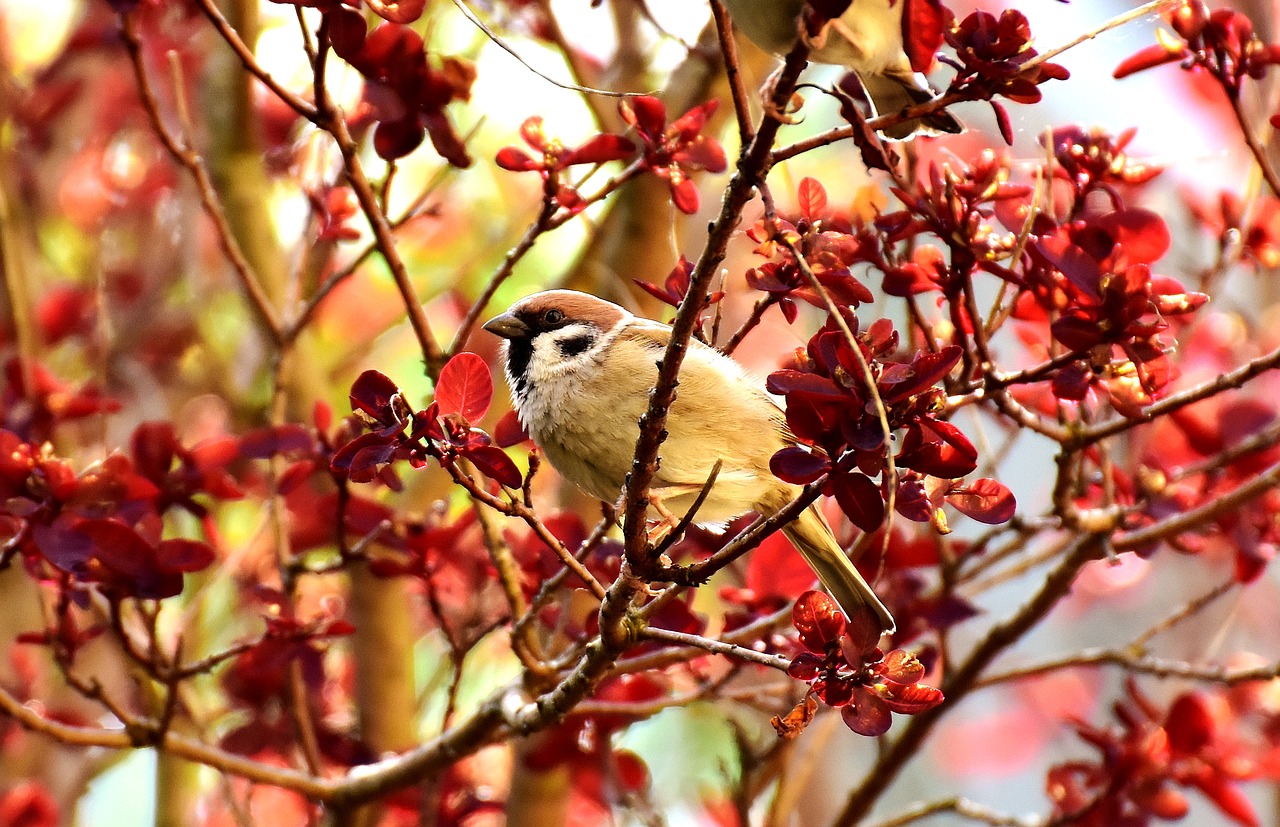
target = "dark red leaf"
x: 345, y: 457
x: 1002, y: 122
x: 818, y: 620
x: 797, y: 465
x: 868, y: 715
x: 494, y: 463
x: 783, y: 382
x: 371, y: 393
x: 366, y: 461
x: 859, y: 499
x: 347, y: 30
x: 985, y: 500
x: 806, y: 666
x: 184, y: 555
x: 465, y: 387
x: 396, y: 139
x: 926, y: 370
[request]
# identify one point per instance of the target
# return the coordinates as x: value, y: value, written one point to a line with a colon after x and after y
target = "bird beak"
x: 507, y: 326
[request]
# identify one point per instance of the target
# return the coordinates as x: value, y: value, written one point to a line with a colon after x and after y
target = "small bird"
x: 867, y: 39
x: 580, y: 370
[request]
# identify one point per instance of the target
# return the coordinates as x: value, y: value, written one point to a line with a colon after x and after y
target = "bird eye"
x: 553, y: 317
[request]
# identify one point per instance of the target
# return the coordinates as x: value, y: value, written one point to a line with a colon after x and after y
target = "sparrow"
x: 866, y: 39
x: 580, y: 370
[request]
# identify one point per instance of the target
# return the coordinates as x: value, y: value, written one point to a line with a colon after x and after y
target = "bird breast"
x: 586, y: 421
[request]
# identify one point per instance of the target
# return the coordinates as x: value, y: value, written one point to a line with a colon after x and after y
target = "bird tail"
x: 812, y: 537
x: 890, y: 93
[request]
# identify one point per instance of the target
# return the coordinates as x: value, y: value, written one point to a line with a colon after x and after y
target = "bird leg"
x: 666, y: 525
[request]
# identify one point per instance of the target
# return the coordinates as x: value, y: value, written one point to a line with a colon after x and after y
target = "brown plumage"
x: 580, y: 370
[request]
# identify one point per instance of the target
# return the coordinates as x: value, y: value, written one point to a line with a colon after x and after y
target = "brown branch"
x: 962, y: 807
x: 188, y: 158
x: 753, y: 166
x: 384, y: 238
x: 962, y: 680
x: 242, y: 50
x: 1232, y: 379
x: 1141, y: 664
x: 716, y: 647
x: 515, y: 508
x: 1196, y: 517
x: 733, y: 68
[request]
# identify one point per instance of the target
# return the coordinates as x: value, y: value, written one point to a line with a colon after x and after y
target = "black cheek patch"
x: 573, y: 346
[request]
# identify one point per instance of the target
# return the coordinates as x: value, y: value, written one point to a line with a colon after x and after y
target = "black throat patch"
x: 519, y: 352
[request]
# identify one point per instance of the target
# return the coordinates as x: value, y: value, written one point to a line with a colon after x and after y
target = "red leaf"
x: 344, y: 459
x: 909, y: 700
x: 1154, y: 55
x: 1229, y: 799
x: 632, y: 773
x: 598, y: 150
x: 1190, y: 724
x: 783, y: 382
x: 868, y: 715
x: 516, y: 160
x: 1002, y: 122
x: 859, y: 499
x: 922, y: 24
x: 926, y: 370
x: 465, y: 387
x: 27, y: 804
x: 901, y: 667
x: 396, y: 139
x: 985, y: 500
x: 776, y: 569
x: 798, y: 466
x: 347, y: 30
x: 813, y: 200
x: 806, y: 666
x: 185, y: 555
x: 371, y: 393
x: 1142, y: 234
x: 684, y: 194
x: 494, y: 463
x: 818, y: 620
x: 509, y: 431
